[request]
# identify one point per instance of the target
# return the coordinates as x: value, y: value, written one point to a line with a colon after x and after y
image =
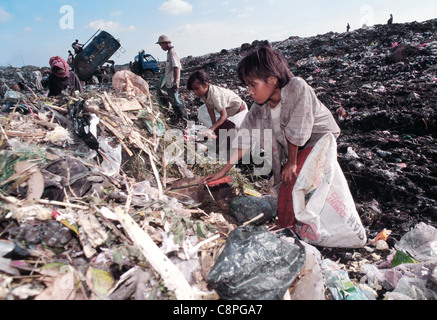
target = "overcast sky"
x: 32, y: 31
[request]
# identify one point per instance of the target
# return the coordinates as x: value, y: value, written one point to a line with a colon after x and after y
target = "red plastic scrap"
x: 219, y: 182
x: 383, y: 235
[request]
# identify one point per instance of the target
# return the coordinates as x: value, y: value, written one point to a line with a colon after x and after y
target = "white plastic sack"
x: 310, y: 286
x: 324, y: 208
x: 204, y: 117
x: 130, y: 83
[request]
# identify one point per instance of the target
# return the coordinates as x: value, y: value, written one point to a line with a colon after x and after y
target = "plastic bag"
x: 414, y: 289
x: 340, y: 285
x: 14, y: 96
x: 18, y: 107
x: 204, y: 117
x: 154, y: 125
x: 15, y: 101
x: 311, y: 284
x: 130, y: 83
x: 256, y: 265
x: 420, y: 243
x: 85, y: 125
x: 324, y: 208
x: 246, y: 208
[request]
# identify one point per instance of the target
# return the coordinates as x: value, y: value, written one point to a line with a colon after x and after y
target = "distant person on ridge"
x: 61, y: 77
x: 172, y: 77
x: 390, y: 21
x: 348, y: 28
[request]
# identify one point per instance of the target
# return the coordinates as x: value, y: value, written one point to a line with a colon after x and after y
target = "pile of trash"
x: 84, y: 210
x: 91, y: 209
x: 380, y: 83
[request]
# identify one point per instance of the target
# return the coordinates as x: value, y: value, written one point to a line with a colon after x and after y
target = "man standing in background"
x: 170, y: 83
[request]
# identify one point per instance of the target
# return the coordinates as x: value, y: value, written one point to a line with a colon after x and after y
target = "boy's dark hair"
x: 263, y: 63
x: 200, y: 76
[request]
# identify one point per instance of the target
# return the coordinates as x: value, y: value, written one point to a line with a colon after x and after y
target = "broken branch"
x: 171, y: 275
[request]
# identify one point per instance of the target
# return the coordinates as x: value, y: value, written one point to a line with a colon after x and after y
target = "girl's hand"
x: 289, y: 172
x: 213, y: 177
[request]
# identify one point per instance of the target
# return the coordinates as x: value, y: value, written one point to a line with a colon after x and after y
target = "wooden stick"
x: 4, y: 134
x: 156, y: 173
x: 60, y: 109
x: 46, y: 124
x: 164, y: 169
x: 123, y: 117
x: 111, y: 226
x: 199, y: 211
x: 62, y: 204
x: 253, y: 220
x: 18, y: 175
x: 119, y: 135
x: 106, y: 104
x: 171, y: 275
x: 25, y: 134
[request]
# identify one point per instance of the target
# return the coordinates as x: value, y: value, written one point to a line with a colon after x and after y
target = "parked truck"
x: 145, y: 65
x: 94, y: 55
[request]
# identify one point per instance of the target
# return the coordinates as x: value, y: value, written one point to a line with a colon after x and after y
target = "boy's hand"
x: 209, y: 133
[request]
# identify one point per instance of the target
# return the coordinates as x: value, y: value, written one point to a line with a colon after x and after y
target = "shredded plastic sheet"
x: 420, y: 243
x: 256, y: 265
x: 246, y: 208
x: 130, y: 83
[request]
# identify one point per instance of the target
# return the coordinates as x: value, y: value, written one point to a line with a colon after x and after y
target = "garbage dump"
x: 256, y: 265
x: 90, y: 208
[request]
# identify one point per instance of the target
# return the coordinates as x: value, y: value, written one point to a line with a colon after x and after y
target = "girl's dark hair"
x: 263, y: 63
x: 200, y: 76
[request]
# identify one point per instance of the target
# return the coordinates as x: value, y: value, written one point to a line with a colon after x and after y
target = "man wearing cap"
x: 171, y: 79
